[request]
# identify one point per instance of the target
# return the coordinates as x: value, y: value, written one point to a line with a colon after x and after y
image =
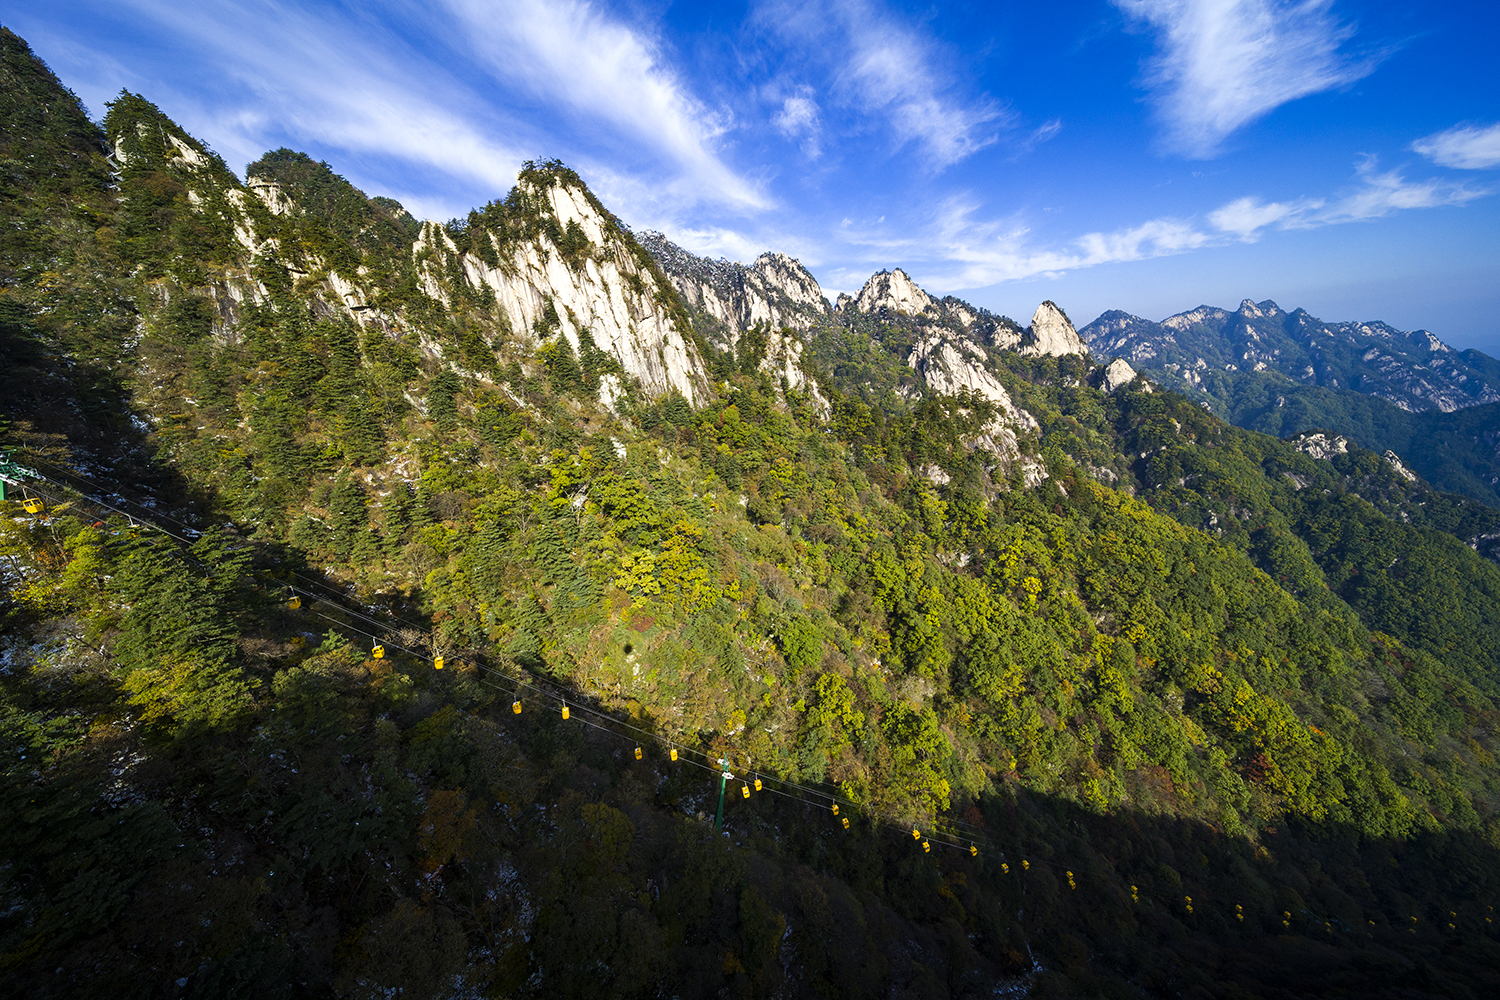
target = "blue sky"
x: 1147, y: 155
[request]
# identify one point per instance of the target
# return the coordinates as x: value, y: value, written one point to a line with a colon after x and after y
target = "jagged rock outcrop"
x: 895, y: 291
x: 775, y: 290
x: 953, y: 365
x: 1400, y: 468
x: 1117, y: 375
x: 607, y: 293
x: 1051, y: 332
x: 783, y: 362
x: 892, y: 294
x: 553, y: 264
x: 1322, y: 446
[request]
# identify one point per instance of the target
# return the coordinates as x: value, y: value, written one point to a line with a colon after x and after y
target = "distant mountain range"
x: 1286, y: 373
x: 1415, y: 371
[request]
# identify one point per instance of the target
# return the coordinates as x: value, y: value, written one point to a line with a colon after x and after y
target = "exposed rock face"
x: 951, y: 365
x: 1416, y: 371
x: 1323, y: 446
x: 894, y: 290
x: 792, y: 280
x: 608, y: 293
x: 891, y: 297
x: 783, y: 360
x: 1051, y: 333
x: 1118, y: 375
x: 550, y: 263
x: 1400, y: 467
x: 775, y: 294
x: 775, y: 290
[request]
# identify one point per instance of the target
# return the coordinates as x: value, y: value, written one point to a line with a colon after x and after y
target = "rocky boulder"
x: 1117, y: 375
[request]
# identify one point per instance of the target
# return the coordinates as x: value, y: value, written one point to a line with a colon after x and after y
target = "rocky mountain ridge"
x: 313, y: 735
x: 1288, y: 373
x: 574, y: 276
x: 1414, y: 370
x: 775, y: 290
x: 948, y: 343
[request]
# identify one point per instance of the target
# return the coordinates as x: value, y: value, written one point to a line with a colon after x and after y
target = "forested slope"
x: 1213, y: 715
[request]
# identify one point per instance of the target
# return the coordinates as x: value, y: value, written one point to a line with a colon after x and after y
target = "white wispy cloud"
x: 355, y: 80
x: 289, y: 74
x: 1246, y: 217
x: 1046, y: 131
x: 1467, y: 147
x: 896, y: 77
x: 1222, y: 64
x: 799, y: 118
x: 573, y: 53
x: 1374, y: 195
x: 959, y: 249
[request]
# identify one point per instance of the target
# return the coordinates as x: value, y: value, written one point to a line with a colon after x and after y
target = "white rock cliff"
x: 1051, y: 333
x: 776, y: 290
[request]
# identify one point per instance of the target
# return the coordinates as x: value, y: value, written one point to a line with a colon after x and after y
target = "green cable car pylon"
x: 724, y: 777
x: 11, y: 473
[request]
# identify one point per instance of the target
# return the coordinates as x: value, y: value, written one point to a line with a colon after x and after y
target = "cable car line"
x: 518, y: 683
x: 97, y: 486
x: 806, y: 790
x: 85, y: 500
x: 686, y: 752
x: 941, y: 833
x: 515, y: 685
x: 96, y: 499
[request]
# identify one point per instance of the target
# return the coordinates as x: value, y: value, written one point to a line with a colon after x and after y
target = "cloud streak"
x: 287, y: 74
x: 1222, y: 64
x: 375, y: 84
x: 891, y: 74
x: 1466, y: 147
x: 973, y: 253
x: 570, y: 52
x: 800, y: 117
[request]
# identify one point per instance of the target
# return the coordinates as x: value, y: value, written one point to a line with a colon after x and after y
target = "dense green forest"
x: 1193, y: 713
x: 1458, y: 452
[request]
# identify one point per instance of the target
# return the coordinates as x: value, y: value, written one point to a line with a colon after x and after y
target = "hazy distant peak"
x: 1259, y: 310
x: 1414, y: 370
